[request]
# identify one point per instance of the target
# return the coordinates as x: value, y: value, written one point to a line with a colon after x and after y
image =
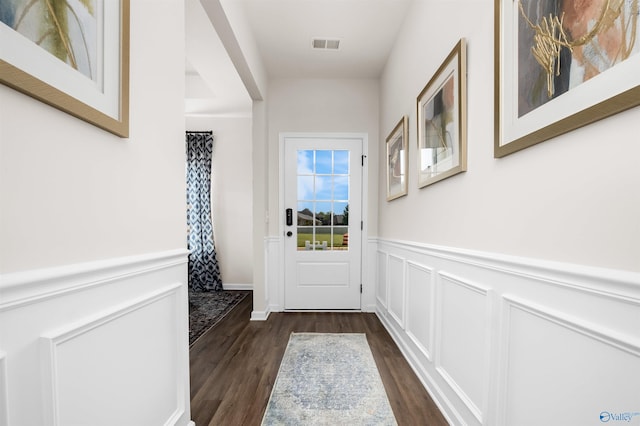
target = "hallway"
x: 234, y: 366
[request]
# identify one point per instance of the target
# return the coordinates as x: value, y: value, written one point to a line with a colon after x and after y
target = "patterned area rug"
x: 207, y: 308
x: 328, y: 379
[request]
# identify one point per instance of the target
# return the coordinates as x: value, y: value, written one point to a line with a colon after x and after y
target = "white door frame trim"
x: 364, y: 139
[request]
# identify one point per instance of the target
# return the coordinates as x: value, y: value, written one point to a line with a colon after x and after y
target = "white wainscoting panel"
x: 4, y: 401
x: 593, y: 371
x: 396, y: 282
x: 500, y: 340
x: 463, y: 324
x: 274, y: 275
x: 381, y: 284
x: 80, y: 372
x: 369, y: 277
x: 420, y: 307
x: 101, y: 343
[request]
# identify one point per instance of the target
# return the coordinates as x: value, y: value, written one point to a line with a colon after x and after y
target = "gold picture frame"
x: 554, y: 75
x: 82, y: 69
x: 442, y: 120
x: 397, y: 160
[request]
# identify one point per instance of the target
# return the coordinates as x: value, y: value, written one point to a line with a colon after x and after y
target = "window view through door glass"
x: 323, y: 200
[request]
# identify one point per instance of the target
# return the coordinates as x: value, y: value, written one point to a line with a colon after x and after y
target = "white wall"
x: 573, y: 199
x: 260, y: 206
x: 322, y: 106
x: 254, y: 75
x: 243, y: 50
x: 72, y: 192
x: 513, y: 289
x: 92, y: 249
x: 313, y: 106
x: 232, y: 195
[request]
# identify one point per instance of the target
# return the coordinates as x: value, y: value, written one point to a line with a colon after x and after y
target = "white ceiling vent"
x: 325, y: 44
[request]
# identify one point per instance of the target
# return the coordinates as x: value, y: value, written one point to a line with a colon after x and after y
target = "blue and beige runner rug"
x: 328, y: 379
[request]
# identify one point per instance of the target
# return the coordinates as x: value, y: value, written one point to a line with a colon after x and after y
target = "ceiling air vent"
x: 325, y: 44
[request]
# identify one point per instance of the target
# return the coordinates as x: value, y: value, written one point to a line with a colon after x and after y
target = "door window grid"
x: 323, y: 200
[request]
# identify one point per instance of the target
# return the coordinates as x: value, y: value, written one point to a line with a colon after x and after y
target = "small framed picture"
x: 442, y: 120
x: 397, y: 155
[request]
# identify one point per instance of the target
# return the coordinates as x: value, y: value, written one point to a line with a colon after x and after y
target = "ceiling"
x: 284, y: 30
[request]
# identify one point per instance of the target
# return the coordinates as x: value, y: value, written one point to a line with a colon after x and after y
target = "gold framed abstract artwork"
x: 72, y: 55
x: 397, y: 155
x: 561, y: 65
x: 442, y: 120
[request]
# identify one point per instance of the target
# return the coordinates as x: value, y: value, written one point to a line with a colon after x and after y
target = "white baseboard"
x: 260, y: 315
x: 235, y: 286
x: 369, y: 308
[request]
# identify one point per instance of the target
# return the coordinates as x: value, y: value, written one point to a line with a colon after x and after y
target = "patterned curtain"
x: 204, y: 271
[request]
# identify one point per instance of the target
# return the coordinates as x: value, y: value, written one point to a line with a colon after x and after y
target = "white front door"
x: 322, y: 222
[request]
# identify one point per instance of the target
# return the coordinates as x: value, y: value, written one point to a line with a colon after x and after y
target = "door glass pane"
x: 305, y: 237
x: 324, y: 160
x: 323, y: 200
x: 341, y: 162
x: 323, y: 213
x: 305, y: 162
x: 341, y: 188
x: 305, y: 187
x: 340, y: 213
x: 323, y: 188
x: 305, y: 213
x: 340, y: 238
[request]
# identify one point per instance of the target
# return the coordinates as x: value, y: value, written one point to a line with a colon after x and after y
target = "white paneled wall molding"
x: 26, y: 287
x: 274, y: 295
x: 500, y: 340
x: 98, y: 343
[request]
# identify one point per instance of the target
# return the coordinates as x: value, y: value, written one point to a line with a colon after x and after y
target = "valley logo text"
x: 606, y: 416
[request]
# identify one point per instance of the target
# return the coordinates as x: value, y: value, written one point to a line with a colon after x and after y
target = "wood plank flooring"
x: 234, y: 366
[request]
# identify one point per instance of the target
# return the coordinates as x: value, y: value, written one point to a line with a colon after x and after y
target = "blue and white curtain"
x: 204, y: 271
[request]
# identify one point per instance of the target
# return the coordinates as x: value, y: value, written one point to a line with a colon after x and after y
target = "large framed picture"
x: 561, y: 65
x: 442, y: 120
x: 72, y: 55
x: 397, y: 155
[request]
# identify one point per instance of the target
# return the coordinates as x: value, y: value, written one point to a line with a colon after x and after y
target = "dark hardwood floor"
x: 234, y: 366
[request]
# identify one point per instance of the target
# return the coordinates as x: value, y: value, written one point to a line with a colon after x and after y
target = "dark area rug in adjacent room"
x: 208, y: 307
